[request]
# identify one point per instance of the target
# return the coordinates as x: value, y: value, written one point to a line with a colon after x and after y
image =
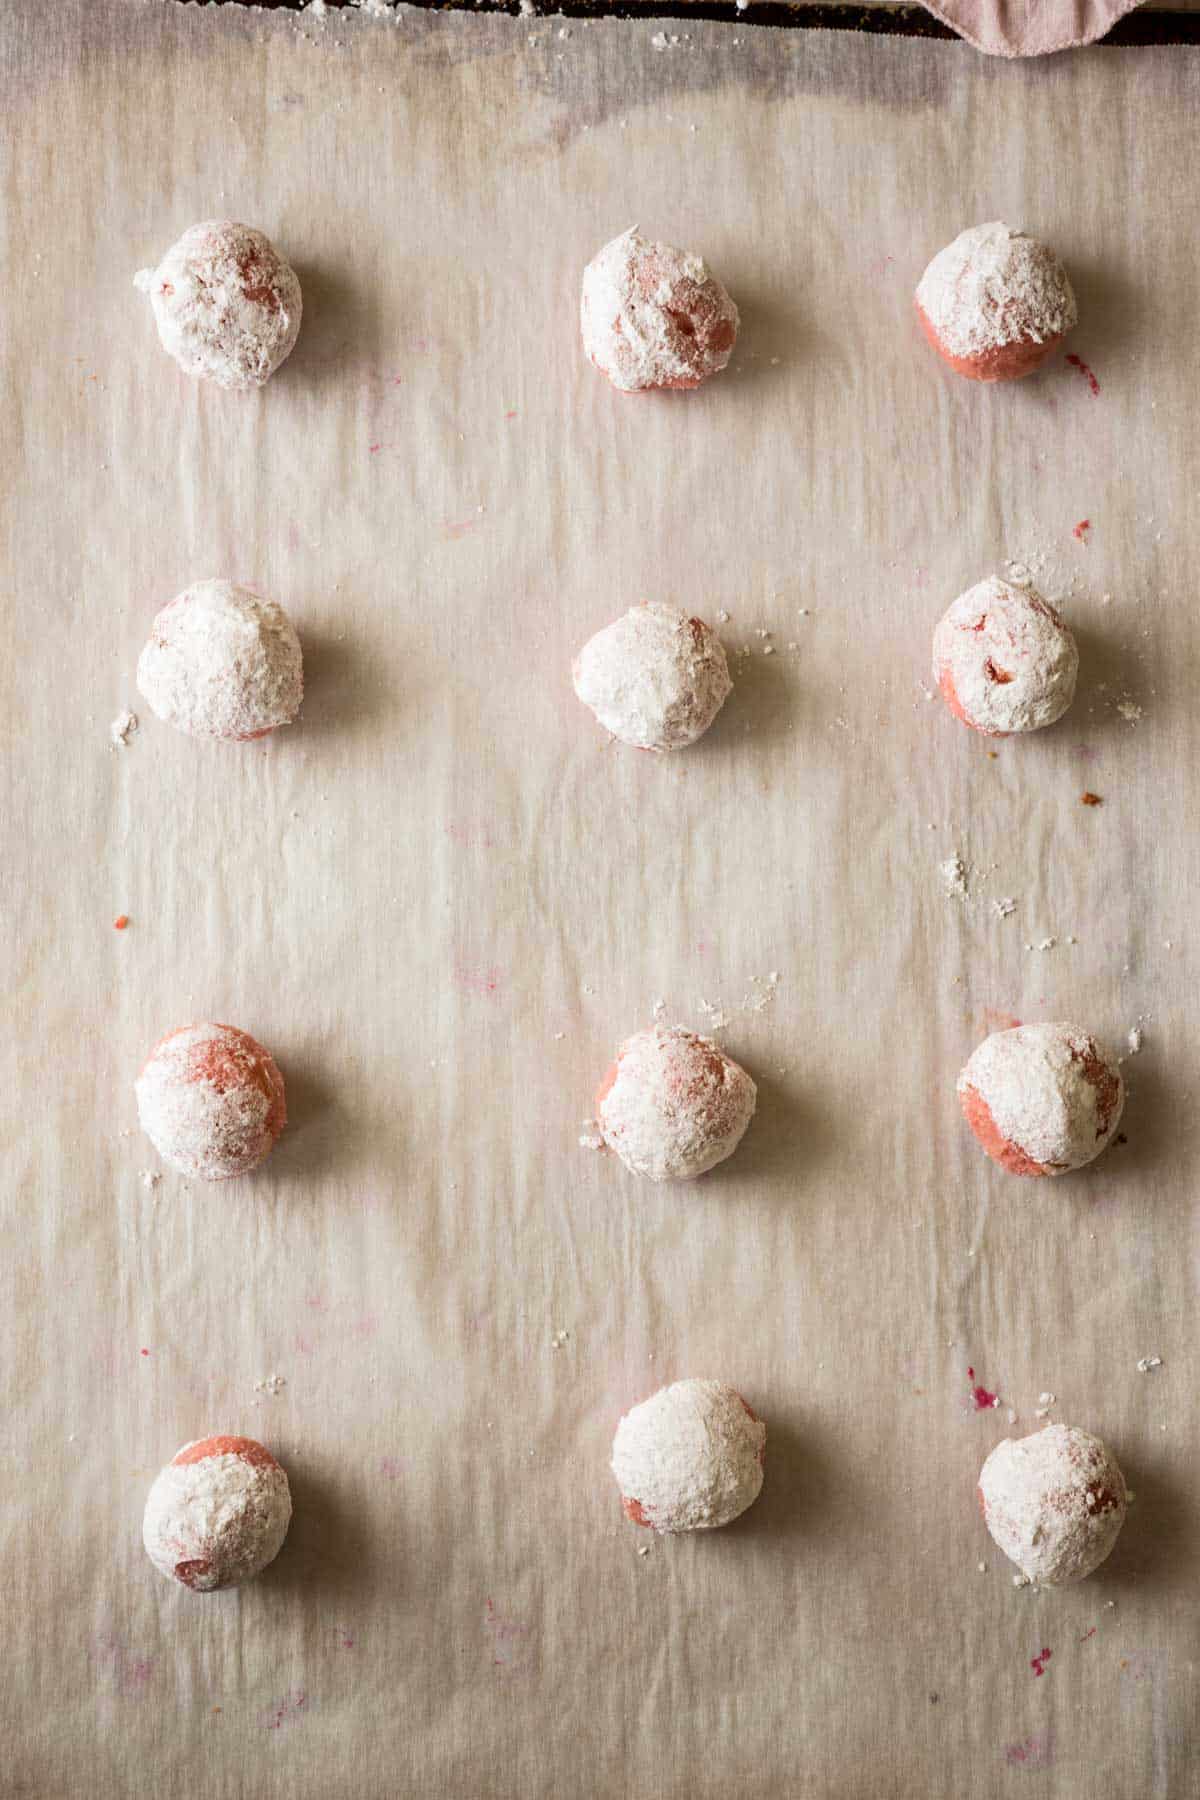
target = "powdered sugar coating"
x: 690, y: 1458
x: 1042, y: 1099
x: 217, y: 1514
x: 656, y: 678
x: 222, y: 661
x: 1054, y: 1502
x: 211, y: 1101
x: 1003, y: 659
x: 673, y: 1104
x: 652, y: 316
x: 995, y: 302
x: 226, y: 304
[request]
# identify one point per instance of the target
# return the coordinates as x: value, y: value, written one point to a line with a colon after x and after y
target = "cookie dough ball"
x: 226, y: 304
x: 222, y: 662
x: 1041, y: 1099
x: 210, y: 1099
x: 689, y: 1458
x: 654, y: 317
x: 995, y: 303
x: 673, y: 1104
x: 655, y: 678
x: 1003, y: 659
x: 218, y: 1513
x: 1054, y: 1502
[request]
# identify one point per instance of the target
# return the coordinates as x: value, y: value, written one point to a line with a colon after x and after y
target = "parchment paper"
x: 443, y: 899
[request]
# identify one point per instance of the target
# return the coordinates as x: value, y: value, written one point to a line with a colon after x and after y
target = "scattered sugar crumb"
x: 1130, y: 712
x: 1135, y: 1039
x: 150, y: 1179
x: 1046, y: 1399
x: 122, y: 729
x: 722, y: 616
x: 591, y: 1139
x: 954, y: 877
x: 1146, y: 1363
x: 982, y: 1567
x: 559, y: 1339
x: 644, y: 1550
x: 1006, y: 907
x: 270, y: 1384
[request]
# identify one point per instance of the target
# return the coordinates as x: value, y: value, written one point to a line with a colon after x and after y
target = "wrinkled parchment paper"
x: 443, y: 898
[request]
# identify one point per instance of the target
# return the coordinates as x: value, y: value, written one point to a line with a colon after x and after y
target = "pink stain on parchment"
x: 487, y: 982
x: 288, y: 1711
x: 511, y: 1647
x: 470, y: 835
x: 457, y: 528
x: 391, y: 1468
x: 1036, y: 1752
x: 996, y: 1020
x: 1038, y: 1662
x: 130, y: 1674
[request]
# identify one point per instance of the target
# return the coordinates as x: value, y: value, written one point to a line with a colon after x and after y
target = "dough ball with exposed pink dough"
x: 673, y: 1105
x: 217, y: 1514
x: 1041, y: 1099
x: 995, y: 303
x: 1003, y: 659
x: 652, y: 316
x: 222, y: 661
x: 1054, y: 1502
x: 656, y: 677
x: 226, y: 304
x: 211, y: 1101
x: 690, y: 1458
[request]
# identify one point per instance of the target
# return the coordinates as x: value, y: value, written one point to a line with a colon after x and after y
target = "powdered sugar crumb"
x: 1146, y: 1363
x: 123, y: 728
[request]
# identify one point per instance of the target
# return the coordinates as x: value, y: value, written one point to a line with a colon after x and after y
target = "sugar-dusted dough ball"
x: 221, y: 661
x: 673, y: 1104
x: 1041, y: 1099
x: 654, y: 317
x: 217, y: 1514
x: 656, y: 678
x: 1054, y: 1502
x: 1003, y: 659
x: 995, y: 303
x: 689, y: 1458
x: 226, y: 304
x: 210, y: 1099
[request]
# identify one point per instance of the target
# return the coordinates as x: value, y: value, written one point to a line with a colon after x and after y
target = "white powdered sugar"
x: 993, y: 287
x: 690, y: 1458
x: 1042, y: 1099
x: 123, y: 729
x: 673, y: 1104
x: 652, y: 316
x: 222, y: 661
x: 211, y: 1101
x: 217, y: 1514
x: 1003, y: 659
x: 226, y: 304
x: 655, y: 678
x: 1054, y: 1502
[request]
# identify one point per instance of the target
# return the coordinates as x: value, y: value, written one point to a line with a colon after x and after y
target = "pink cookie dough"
x: 995, y: 303
x: 1003, y: 660
x: 656, y: 678
x: 211, y: 1101
x: 1054, y: 1502
x: 690, y: 1458
x: 1041, y: 1099
x: 222, y: 661
x: 673, y: 1105
x: 652, y: 316
x: 217, y: 1514
x: 226, y: 304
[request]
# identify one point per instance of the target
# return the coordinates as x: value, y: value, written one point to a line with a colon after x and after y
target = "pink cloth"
x: 1030, y: 27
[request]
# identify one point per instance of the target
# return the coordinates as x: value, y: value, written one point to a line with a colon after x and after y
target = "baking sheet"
x: 443, y: 898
